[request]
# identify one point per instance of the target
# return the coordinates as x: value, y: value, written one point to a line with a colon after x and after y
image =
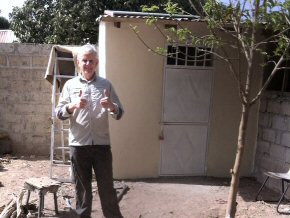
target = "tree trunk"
x: 235, y: 172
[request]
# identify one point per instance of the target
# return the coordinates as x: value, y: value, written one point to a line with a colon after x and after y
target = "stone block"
x: 19, y: 61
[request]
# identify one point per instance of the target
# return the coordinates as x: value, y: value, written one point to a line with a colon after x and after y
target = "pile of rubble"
x: 15, y: 209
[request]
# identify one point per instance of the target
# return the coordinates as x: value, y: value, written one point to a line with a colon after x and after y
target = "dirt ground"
x: 192, y: 197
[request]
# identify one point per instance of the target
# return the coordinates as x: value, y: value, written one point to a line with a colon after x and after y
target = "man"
x: 87, y: 100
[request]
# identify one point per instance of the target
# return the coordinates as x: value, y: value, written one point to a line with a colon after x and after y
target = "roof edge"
x: 112, y: 13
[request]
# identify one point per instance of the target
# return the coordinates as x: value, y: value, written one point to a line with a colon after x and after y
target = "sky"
x: 6, y: 6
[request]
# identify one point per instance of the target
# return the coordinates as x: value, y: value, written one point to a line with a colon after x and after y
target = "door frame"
x: 163, y: 123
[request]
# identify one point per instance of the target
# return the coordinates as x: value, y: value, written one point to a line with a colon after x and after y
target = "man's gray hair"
x: 87, y: 49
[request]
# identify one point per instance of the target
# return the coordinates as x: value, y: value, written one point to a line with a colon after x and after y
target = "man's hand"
x: 106, y: 101
x: 79, y: 103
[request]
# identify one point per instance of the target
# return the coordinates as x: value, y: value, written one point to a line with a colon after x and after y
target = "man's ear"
x: 78, y: 62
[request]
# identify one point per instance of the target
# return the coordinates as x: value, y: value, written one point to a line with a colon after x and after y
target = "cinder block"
x: 34, y: 139
x: 19, y: 61
x: 7, y: 48
x: 40, y: 61
x: 263, y: 147
x: 269, y: 135
x: 9, y: 73
x: 277, y: 152
x: 285, y: 108
x: 38, y: 118
x: 27, y: 108
x: 12, y: 97
x: 3, y: 60
x: 278, y: 137
x: 30, y: 49
x: 285, y: 139
x: 33, y: 49
x: 5, y: 84
x: 280, y: 122
x: 274, y: 107
x: 268, y: 164
x: 24, y: 74
x: 287, y: 155
x: 35, y: 98
x: 264, y: 119
x: 260, y: 132
x: 19, y: 86
x: 274, y: 184
x: 3, y: 98
x: 38, y: 74
x: 44, y: 49
x: 44, y: 108
x: 13, y: 118
x: 16, y: 128
x: 263, y: 105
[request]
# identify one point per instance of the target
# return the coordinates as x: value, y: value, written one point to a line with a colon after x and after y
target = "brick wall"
x: 273, y: 143
x: 25, y: 97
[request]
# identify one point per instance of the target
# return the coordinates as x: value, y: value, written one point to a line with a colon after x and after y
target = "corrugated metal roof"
x: 145, y: 15
x: 7, y: 36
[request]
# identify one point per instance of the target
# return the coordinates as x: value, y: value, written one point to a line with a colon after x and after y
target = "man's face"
x: 88, y: 64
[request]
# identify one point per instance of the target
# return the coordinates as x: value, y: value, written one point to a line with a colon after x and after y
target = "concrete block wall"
x: 273, y: 142
x: 25, y: 97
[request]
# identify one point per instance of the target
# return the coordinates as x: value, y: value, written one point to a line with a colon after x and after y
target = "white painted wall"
x: 137, y: 75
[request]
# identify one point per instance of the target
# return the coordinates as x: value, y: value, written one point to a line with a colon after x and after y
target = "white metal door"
x: 187, y: 95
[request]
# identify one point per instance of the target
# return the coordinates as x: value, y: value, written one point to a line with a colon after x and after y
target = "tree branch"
x: 270, y: 77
